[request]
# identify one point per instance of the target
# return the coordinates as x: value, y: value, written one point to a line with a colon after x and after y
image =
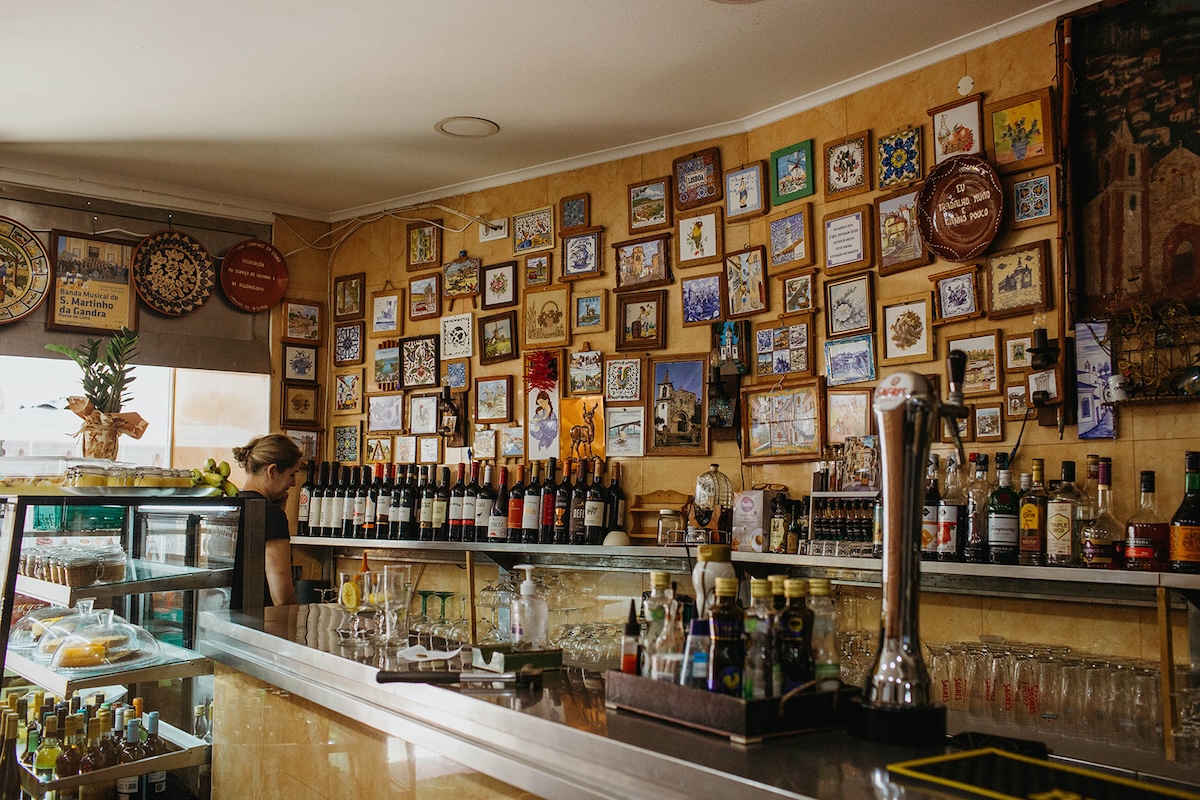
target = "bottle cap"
x: 1192, y: 461
x: 1068, y: 471
x: 795, y: 587
x: 1147, y: 480
x: 760, y: 588
x: 776, y: 582
x: 528, y: 588
x: 819, y: 587
x: 713, y: 552
x: 727, y: 587
x: 659, y: 580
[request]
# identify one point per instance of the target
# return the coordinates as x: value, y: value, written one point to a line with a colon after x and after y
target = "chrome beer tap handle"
x: 954, y: 409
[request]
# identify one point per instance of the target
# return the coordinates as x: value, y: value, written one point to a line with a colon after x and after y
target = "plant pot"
x: 1019, y: 149
x: 100, y: 439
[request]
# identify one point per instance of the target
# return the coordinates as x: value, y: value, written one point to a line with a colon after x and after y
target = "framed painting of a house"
x: 1017, y: 280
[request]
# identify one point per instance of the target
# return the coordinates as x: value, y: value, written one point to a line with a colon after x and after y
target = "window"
x: 1132, y: 165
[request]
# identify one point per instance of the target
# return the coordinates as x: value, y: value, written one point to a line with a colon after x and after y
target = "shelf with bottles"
x: 140, y: 577
x: 173, y: 662
x: 842, y: 524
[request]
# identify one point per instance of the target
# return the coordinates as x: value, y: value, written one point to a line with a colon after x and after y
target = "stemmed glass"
x: 441, y: 628
x: 424, y: 624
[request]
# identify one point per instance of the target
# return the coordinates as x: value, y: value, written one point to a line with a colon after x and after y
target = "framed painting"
x: 542, y: 382
x: 349, y: 296
x: 900, y: 244
x: 512, y: 441
x: 703, y: 298
x: 791, y: 241
x: 499, y: 286
x: 905, y: 328
x: 386, y: 317
x: 699, y: 237
x: 308, y: 440
x: 547, y: 317
x: 848, y: 166
x: 641, y: 321
x: 798, y: 293
x: 299, y: 363
x: 419, y: 361
x: 649, y: 205
x: 898, y: 158
x: 581, y: 254
x: 849, y: 305
x: 784, y: 348
x: 537, y: 270
x: 424, y: 297
x: 422, y: 414
x: 746, y: 282
x: 582, y: 422
x: 385, y: 365
x: 378, y: 450
x: 677, y: 408
x: 849, y: 413
x: 533, y: 231
x: 848, y: 240
x: 493, y: 399
x: 458, y: 336
x: 589, y: 311
x: 966, y: 427
x: 385, y: 412
x: 746, y: 191
x: 585, y: 372
x: 346, y: 443
x: 730, y: 347
x: 792, y: 173
x: 456, y: 374
x: 983, y: 361
x: 1093, y: 369
x: 348, y: 392
x: 956, y: 292
x: 574, y: 213
x: 460, y: 278
x: 989, y: 422
x: 625, y: 431
x: 348, y: 344
x: 850, y: 360
x: 1016, y: 401
x: 498, y: 337
x: 424, y: 245
x: 484, y: 444
x: 1032, y: 197
x: 783, y: 422
x: 1045, y: 386
x: 642, y: 263
x: 622, y: 379
x: 957, y: 128
x: 300, y: 403
x: 429, y: 449
x: 91, y: 287
x: 697, y: 179
x: 1017, y: 280
x: 1020, y: 131
x: 406, y: 449
x: 1017, y: 357
x: 303, y: 321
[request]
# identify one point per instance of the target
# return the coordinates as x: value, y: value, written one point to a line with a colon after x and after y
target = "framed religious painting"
x: 791, y: 244
x: 957, y: 128
x: 643, y: 263
x: 349, y: 296
x: 697, y: 179
x: 499, y: 286
x: 386, y: 313
x: 1017, y: 280
x: 1020, y: 130
x: 574, y: 213
x: 91, y: 286
x: 956, y: 295
x: 589, y: 311
x: 783, y: 422
x: 848, y: 238
x: 905, y: 329
x: 424, y: 244
x: 746, y: 282
x: 848, y: 414
x: 458, y: 336
x: 300, y: 403
x: 533, y: 231
x: 703, y: 299
x: 299, y: 363
x: 746, y: 191
x: 699, y: 237
x: 419, y: 361
x: 348, y: 392
x: 898, y: 158
x: 677, y: 408
x: 385, y: 412
x: 303, y: 321
x: 348, y: 344
x: 498, y: 337
x: 537, y: 270
x: 460, y: 278
x: 547, y: 317
x: 983, y: 361
x: 848, y: 166
x: 849, y: 305
x: 543, y: 403
x: 897, y: 234
x: 649, y: 205
x: 641, y: 321
x: 424, y: 297
x: 1031, y: 198
x: 622, y: 379
x: 793, y: 173
x: 581, y: 254
x: 798, y: 292
x: 493, y: 399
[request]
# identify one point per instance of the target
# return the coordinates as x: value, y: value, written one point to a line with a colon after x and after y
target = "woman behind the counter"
x: 271, y: 463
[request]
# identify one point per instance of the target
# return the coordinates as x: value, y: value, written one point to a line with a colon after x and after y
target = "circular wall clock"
x: 173, y: 273
x: 24, y: 271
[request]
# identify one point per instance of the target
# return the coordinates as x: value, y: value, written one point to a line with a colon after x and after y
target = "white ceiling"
x: 326, y: 109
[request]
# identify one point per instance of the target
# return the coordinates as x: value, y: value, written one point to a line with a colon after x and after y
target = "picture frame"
x: 849, y: 306
x: 493, y: 399
x: 457, y: 336
x: 1047, y: 380
x: 347, y: 440
x: 897, y: 233
x: 429, y: 449
x: 641, y: 321
x: 543, y: 375
x: 585, y: 372
x: 419, y: 356
x: 790, y: 240
x: 1095, y: 413
x: 456, y: 374
x: 730, y: 347
x: 966, y: 427
x: 1016, y: 401
x: 349, y: 297
x: 1017, y: 282
x: 677, y: 408
x: 574, y: 213
x: 547, y: 317
x: 848, y: 169
x: 625, y: 431
x: 699, y: 237
x: 483, y: 446
x: 385, y: 365
x: 957, y: 128
x: 798, y: 292
x: 91, y: 284
x: 746, y: 285
x: 348, y: 343
x: 512, y: 441
x: 905, y: 329
x: 956, y: 294
x: 299, y: 363
x: 1019, y: 131
x: 1031, y: 198
x: 848, y: 236
x: 849, y: 414
x: 300, y: 403
x: 784, y: 348
x: 1017, y: 357
x: 422, y: 414
x: 589, y: 311
x: 499, y: 286
x: 783, y: 422
x: 303, y: 321
x: 581, y: 421
x: 424, y: 245
x: 989, y: 422
x: 702, y: 298
x: 386, y: 317
x: 406, y: 449
x: 378, y: 449
x: 899, y: 157
x: 746, y: 191
x: 643, y: 263
x: 850, y: 359
x: 581, y: 254
x: 650, y: 205
x: 537, y: 270
x: 424, y: 297
x: 622, y: 379
x: 460, y: 278
x: 308, y: 440
x: 983, y: 361
x: 533, y: 231
x: 348, y: 392
x: 793, y: 173
x: 385, y: 412
x: 498, y: 337
x: 697, y: 179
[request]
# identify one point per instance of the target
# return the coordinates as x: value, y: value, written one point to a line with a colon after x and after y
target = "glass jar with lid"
x: 670, y: 525
x: 87, y: 475
x: 712, y: 489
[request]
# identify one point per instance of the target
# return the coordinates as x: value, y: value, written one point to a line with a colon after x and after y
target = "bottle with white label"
x: 497, y: 525
x: 1063, y: 523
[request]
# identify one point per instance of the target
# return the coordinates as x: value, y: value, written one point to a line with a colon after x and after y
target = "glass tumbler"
x: 1003, y: 684
x: 1026, y: 670
x: 939, y: 671
x: 394, y: 589
x: 1072, y: 694
x: 1097, y: 699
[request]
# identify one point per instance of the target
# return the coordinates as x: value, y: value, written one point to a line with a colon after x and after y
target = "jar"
x: 712, y: 562
x: 86, y: 476
x: 148, y: 476
x: 712, y: 489
x: 669, y: 520
x: 111, y: 566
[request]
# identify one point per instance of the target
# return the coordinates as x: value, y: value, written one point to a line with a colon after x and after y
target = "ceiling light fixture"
x: 467, y: 127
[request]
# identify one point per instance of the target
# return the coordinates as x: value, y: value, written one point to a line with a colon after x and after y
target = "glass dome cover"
x: 29, y: 628
x: 712, y: 489
x: 108, y: 642
x: 83, y: 616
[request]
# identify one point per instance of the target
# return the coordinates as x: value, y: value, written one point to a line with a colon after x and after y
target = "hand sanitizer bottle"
x: 530, y: 615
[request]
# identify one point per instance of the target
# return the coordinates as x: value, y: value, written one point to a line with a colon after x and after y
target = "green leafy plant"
x: 106, y: 377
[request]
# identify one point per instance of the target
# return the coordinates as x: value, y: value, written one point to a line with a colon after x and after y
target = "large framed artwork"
x: 91, y: 284
x: 543, y: 388
x: 677, y: 408
x: 783, y: 422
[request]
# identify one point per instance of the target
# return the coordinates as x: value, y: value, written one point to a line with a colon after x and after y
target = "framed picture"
x: 848, y: 239
x: 547, y: 317
x: 574, y: 213
x: 498, y: 337
x: 348, y: 392
x: 791, y: 242
x: 309, y: 442
x: 783, y: 422
x: 422, y: 414
x: 589, y: 311
x: 385, y: 365
x: 1044, y: 380
x: 956, y: 292
x: 300, y: 403
x: 848, y: 166
x: 746, y: 191
x: 622, y: 379
x: 905, y: 329
x: 585, y: 372
x: 484, y: 445
x: 348, y: 344
x: 1020, y: 131
x: 424, y: 297
x: 699, y: 237
x: 542, y: 381
x: 849, y: 306
x: 703, y: 299
x: 1017, y: 357
x: 746, y: 282
x: 677, y: 408
x: 850, y: 360
x: 581, y: 254
x: 537, y: 270
x: 642, y: 263
x: 493, y: 399
x: 499, y: 286
x: 784, y: 348
x: 299, y: 363
x: 989, y: 422
x: 385, y: 412
x: 1016, y: 401
x: 792, y: 173
x: 1017, y: 279
x: 1032, y: 197
x: 533, y: 231
x: 798, y: 293
x: 458, y: 339
x: 697, y: 179
x: 456, y: 373
x: 386, y: 318
x: 641, y: 321
x: 849, y: 413
x: 1093, y: 368
x: 512, y: 441
x: 429, y: 449
x: 346, y: 440
x: 349, y: 296
x: 303, y: 321
x: 898, y: 156
x: 91, y: 284
x: 900, y: 244
x: 625, y: 431
x: 730, y: 347
x: 460, y: 278
x: 406, y: 449
x: 419, y: 361
x: 649, y: 205
x: 378, y: 450
x: 983, y: 361
x: 957, y: 128
x: 424, y: 244
x: 582, y: 422
x: 966, y: 427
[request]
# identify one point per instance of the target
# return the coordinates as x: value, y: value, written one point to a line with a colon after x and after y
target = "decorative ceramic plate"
x: 173, y: 273
x: 254, y: 275
x: 960, y: 208
x: 24, y: 271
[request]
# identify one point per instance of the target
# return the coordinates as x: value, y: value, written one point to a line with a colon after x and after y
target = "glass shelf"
x: 176, y: 662
x: 140, y: 576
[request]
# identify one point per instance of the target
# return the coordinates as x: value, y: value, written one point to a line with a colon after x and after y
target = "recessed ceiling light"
x: 467, y: 127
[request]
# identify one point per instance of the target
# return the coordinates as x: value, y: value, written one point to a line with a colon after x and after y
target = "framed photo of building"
x: 424, y: 245
x: 983, y: 361
x: 91, y: 284
x: 746, y: 191
x: 642, y: 263
x: 791, y: 240
x: 897, y: 233
x: 386, y: 313
x: 989, y: 422
x: 677, y: 408
x: 641, y: 321
x: 303, y: 321
x: 649, y: 205
x: 1016, y: 401
x: 746, y: 282
x: 308, y: 440
x: 699, y: 237
x: 783, y: 422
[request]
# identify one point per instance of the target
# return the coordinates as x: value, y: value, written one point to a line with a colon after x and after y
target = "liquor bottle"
x: 10, y: 786
x: 48, y: 749
x: 373, y: 480
x: 793, y: 634
x: 441, y: 508
x: 726, y: 630
x: 361, y: 477
x: 575, y: 528
x: 826, y: 658
x: 425, y: 496
x: 1031, y: 543
x: 71, y: 754
x: 497, y: 526
x: 516, y: 507
x: 798, y: 532
x: 470, y: 496
x: 33, y: 730
x: 929, y: 511
x: 777, y: 541
x: 760, y: 636
x: 595, y: 511
x: 409, y: 513
x: 549, y: 492
x: 1089, y: 489
x: 458, y: 493
x: 1183, y: 549
x: 1145, y: 531
x: 562, y: 508
x: 1003, y: 514
x: 1098, y: 546
x: 304, y: 504
x: 978, y: 492
x: 616, y: 501
x: 131, y: 746
x: 1063, y: 523
x: 952, y: 515
x: 531, y: 516
x: 483, y: 505
x: 383, y: 502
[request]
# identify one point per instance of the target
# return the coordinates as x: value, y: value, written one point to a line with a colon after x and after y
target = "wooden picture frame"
x: 625, y: 431
x: 303, y: 321
x: 790, y: 240
x: 460, y: 278
x: 650, y: 205
x: 848, y: 414
x: 483, y: 446
x: 456, y: 373
x: 348, y: 392
x: 897, y: 233
x: 848, y: 236
x: 699, y: 237
x: 849, y: 306
x: 622, y: 379
x: 406, y: 449
x: 746, y: 284
x: 989, y: 422
x: 1031, y: 198
x: 498, y: 285
x: 581, y: 254
x: 419, y: 361
x: 512, y: 441
x: 422, y: 414
x: 783, y: 422
x: 1017, y: 279
x: 983, y: 361
x: 850, y: 359
x: 1048, y: 380
x: 429, y: 450
x: 498, y: 337
x: 784, y: 347
x: 308, y: 440
x: 299, y: 363
x: 956, y: 295
x: 697, y: 179
x: 574, y: 213
x: 493, y: 399
x: 349, y: 341
x: 746, y: 191
x: 799, y: 291
x: 547, y: 317
x: 966, y: 427
x: 899, y: 157
x: 457, y: 336
x: 300, y: 403
x: 91, y: 284
x: 589, y: 311
x: 905, y: 329
x: 1016, y: 401
x: 385, y: 365
x: 378, y: 450
x: 585, y: 372
x: 1019, y: 131
x: 793, y: 173
x: 385, y: 412
x: 424, y: 240
x: 848, y: 168
x: 677, y: 405
x: 349, y: 297
x: 641, y: 321
x: 957, y: 128
x: 1017, y: 357
x: 730, y: 346
x: 347, y: 443
x: 386, y: 310
x: 533, y: 231
x: 702, y: 299
x: 538, y: 270
x: 424, y: 297
x: 643, y: 263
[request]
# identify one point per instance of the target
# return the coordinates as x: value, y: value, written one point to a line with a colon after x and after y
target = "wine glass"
x: 442, y: 627
x: 424, y: 623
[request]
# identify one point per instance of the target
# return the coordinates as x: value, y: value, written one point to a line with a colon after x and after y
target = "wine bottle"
x: 351, y: 509
x: 595, y: 511
x: 441, y: 508
x: 1003, y: 516
x: 483, y: 505
x: 331, y: 509
x: 516, y: 507
x: 1031, y: 543
x: 1183, y: 547
x: 317, y: 499
x: 549, y: 492
x: 497, y: 529
x: 1145, y: 531
x: 929, y: 511
x: 70, y: 755
x: 304, y: 504
x: 425, y: 495
x: 562, y: 508
x: 374, y: 487
x: 383, y: 502
x: 615, y: 504
x: 470, y: 498
x: 575, y: 528
x: 156, y: 782
x: 531, y: 516
x: 458, y: 494
x: 409, y: 509
x: 362, y: 486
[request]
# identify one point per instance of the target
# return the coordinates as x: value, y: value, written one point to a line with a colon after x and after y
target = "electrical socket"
x: 500, y: 232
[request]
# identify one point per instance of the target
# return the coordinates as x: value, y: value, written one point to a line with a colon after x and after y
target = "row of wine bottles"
x: 411, y: 502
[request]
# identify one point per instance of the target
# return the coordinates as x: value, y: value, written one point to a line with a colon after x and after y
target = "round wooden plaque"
x: 24, y: 271
x: 960, y: 208
x: 254, y: 276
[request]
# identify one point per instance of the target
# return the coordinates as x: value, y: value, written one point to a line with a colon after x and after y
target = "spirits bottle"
x: 1031, y: 545
x: 531, y: 513
x: 978, y: 492
x: 1183, y: 551
x: 1003, y: 517
x: 727, y: 632
x: 929, y: 511
x: 952, y: 515
x: 1102, y: 533
x: 654, y: 612
x: 1089, y: 489
x: 760, y: 636
x: 1063, y: 524
x: 458, y: 494
x: 1145, y: 531
x: 48, y: 749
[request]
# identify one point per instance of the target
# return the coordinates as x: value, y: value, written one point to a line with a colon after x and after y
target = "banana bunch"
x: 215, y: 475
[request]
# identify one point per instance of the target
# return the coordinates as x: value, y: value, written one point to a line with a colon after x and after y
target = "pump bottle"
x: 530, y: 616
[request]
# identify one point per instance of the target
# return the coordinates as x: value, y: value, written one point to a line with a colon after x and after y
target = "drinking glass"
x: 1050, y: 665
x: 1097, y: 699
x: 1072, y: 693
x: 1027, y: 708
x: 976, y: 663
x: 424, y: 624
x: 1147, y: 709
x: 1003, y: 685
x: 394, y: 590
x: 939, y: 671
x: 1121, y: 724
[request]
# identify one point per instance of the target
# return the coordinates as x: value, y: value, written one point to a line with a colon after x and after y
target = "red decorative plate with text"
x: 960, y: 208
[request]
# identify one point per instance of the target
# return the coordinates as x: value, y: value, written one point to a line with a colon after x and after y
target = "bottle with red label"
x: 1146, y: 532
x: 1184, y: 542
